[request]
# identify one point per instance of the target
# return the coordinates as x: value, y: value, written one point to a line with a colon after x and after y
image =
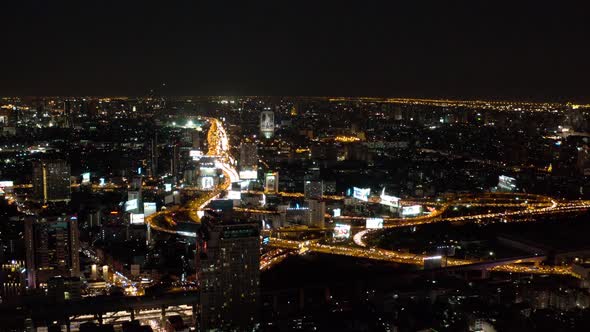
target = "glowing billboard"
x: 374, y: 223
x: 167, y: 187
x: 389, y: 200
x: 412, y: 210
x: 85, y: 177
x: 361, y: 193
x: 337, y: 212
x: 195, y: 154
x: 4, y: 184
x: 131, y: 205
x: 506, y: 183
x: 137, y: 218
x: 248, y: 175
x: 207, y: 182
x: 234, y: 194
x: 271, y: 182
x: 149, y: 208
x: 341, y: 231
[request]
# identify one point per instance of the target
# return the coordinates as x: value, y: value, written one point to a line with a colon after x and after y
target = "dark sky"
x: 461, y: 49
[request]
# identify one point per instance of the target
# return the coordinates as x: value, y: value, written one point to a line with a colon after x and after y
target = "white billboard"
x: 85, y: 177
x: 248, y: 175
x: 361, y: 193
x: 167, y: 187
x: 207, y: 182
x: 337, y: 213
x: 389, y: 200
x: 412, y: 210
x: 374, y: 223
x: 341, y: 231
x: 137, y: 218
x: 195, y: 154
x: 506, y: 183
x: 234, y: 194
x: 149, y: 208
x: 4, y: 184
x: 131, y: 204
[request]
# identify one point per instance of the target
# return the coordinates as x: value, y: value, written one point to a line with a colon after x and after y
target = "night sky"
x: 459, y: 49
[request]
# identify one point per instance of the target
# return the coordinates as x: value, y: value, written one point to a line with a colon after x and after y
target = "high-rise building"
x: 313, y: 189
x: 267, y: 124
x: 51, y: 181
x: 229, y: 274
x: 248, y: 156
x: 52, y: 246
x: 317, y: 212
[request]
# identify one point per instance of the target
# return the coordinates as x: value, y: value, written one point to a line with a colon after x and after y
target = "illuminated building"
x: 317, y: 212
x: 313, y: 189
x: 52, y: 247
x: 248, y: 157
x: 51, y: 181
x: 12, y: 277
x: 61, y: 289
x: 267, y: 124
x: 229, y: 274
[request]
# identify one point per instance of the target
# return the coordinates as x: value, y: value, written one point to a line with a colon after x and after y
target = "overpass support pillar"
x: 163, y: 316
x: 132, y: 314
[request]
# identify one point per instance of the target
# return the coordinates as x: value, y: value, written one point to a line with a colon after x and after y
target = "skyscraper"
x: 229, y: 274
x: 52, y: 246
x: 313, y: 189
x: 51, y: 181
x: 317, y: 212
x: 248, y: 156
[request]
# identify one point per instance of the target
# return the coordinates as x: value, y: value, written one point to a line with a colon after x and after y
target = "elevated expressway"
x: 522, y: 207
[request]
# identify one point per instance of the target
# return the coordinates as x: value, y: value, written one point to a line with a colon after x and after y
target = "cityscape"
x: 267, y: 166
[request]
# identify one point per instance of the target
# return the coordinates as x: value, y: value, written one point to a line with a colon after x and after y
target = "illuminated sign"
x: 271, y: 182
x: 131, y: 205
x: 361, y: 193
x: 248, y: 175
x: 137, y: 218
x: 234, y: 194
x: 4, y: 184
x: 195, y: 154
x: 374, y: 223
x: 412, y: 210
x: 85, y: 177
x: 337, y: 212
x: 342, y: 231
x: 101, y: 182
x: 506, y: 183
x: 389, y: 200
x: 207, y: 182
x: 167, y: 187
x: 149, y: 208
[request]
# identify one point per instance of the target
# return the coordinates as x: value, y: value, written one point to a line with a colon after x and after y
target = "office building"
x: 313, y: 189
x: 248, y: 156
x: 229, y: 274
x: 317, y: 212
x: 51, y: 181
x: 52, y: 249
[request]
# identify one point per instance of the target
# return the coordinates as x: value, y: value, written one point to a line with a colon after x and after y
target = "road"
x: 528, y: 205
